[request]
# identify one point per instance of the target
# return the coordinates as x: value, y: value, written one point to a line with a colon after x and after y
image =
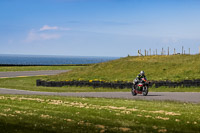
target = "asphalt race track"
x: 192, y: 97
x: 30, y: 73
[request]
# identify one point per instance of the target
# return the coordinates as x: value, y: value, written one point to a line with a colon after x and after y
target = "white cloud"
x: 49, y: 36
x: 36, y: 36
x: 46, y: 27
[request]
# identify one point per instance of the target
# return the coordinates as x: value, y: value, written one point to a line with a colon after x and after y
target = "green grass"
x: 66, y: 114
x: 29, y: 83
x: 173, y: 67
x: 35, y: 68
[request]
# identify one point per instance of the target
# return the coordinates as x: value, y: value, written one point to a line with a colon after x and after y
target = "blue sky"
x: 98, y: 27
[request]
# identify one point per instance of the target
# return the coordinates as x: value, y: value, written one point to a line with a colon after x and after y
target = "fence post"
x: 199, y: 49
x: 174, y: 51
x: 182, y: 49
x: 163, y: 51
x: 156, y: 51
x: 145, y: 52
x: 168, y: 50
x: 150, y: 52
x: 189, y: 51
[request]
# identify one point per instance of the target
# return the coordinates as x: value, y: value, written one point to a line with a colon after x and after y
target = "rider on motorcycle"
x: 139, y: 78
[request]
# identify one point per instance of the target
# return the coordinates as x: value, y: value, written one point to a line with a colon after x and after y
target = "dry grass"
x: 61, y: 114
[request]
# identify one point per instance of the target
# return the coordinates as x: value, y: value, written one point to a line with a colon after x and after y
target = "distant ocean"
x: 51, y: 60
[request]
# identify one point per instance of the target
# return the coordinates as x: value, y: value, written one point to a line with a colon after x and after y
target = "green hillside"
x: 173, y: 67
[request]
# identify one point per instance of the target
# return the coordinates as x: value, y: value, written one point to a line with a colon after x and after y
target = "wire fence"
x: 149, y: 52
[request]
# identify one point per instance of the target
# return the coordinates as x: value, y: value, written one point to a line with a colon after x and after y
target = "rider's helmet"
x: 142, y: 73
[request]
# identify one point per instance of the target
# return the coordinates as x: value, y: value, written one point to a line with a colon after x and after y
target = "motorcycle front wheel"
x: 145, y: 91
x: 133, y: 91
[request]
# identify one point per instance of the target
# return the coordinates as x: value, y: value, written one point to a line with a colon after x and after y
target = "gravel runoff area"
x: 192, y: 97
x: 31, y: 73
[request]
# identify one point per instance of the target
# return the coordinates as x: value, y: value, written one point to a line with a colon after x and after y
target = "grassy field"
x: 36, y: 68
x: 65, y: 114
x: 173, y: 67
x: 29, y: 83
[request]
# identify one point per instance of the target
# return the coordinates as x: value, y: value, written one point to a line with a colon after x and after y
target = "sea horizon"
x: 22, y: 59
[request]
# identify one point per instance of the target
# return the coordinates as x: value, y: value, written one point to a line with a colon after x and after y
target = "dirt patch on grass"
x: 100, y: 126
x: 7, y: 110
x: 165, y: 112
x: 162, y: 118
x: 124, y: 129
x: 45, y: 116
x: 162, y: 130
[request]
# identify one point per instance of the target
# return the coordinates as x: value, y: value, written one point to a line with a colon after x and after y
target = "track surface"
x: 193, y: 97
x: 30, y: 73
x: 171, y: 96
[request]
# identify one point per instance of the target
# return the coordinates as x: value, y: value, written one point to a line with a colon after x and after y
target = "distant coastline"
x: 13, y: 59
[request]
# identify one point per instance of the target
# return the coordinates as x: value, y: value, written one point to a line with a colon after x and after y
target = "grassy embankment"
x: 178, y: 67
x: 36, y: 68
x: 173, y: 67
x: 61, y: 114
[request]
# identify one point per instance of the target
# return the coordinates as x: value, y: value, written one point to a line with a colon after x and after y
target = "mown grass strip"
x: 29, y: 83
x: 67, y: 114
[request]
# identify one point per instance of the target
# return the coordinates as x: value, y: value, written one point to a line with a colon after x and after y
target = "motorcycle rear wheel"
x: 145, y: 91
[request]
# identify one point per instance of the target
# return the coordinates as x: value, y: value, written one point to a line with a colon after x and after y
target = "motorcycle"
x: 141, y: 88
